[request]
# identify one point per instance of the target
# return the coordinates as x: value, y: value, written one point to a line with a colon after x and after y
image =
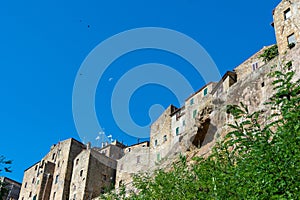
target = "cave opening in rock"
x: 201, y: 133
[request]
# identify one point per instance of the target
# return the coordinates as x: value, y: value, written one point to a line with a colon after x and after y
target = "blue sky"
x: 43, y: 44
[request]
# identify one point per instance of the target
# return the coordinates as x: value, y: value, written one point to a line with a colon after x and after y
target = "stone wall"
x: 286, y: 22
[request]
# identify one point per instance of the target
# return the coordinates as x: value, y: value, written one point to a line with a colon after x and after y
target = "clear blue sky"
x: 43, y: 44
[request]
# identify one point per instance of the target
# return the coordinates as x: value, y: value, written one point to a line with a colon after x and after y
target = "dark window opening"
x: 165, y: 138
x: 263, y: 84
x: 104, y: 177
x: 56, y: 179
x: 81, y: 172
x: 287, y: 13
x: 205, y: 91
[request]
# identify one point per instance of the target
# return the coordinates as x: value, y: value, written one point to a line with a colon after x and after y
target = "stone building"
x: 72, y: 170
x: 286, y: 24
x: 93, y: 173
x: 136, y: 159
x: 12, y: 188
x: 68, y: 163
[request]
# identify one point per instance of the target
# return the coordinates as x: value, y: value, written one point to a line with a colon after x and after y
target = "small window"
x: 120, y: 183
x: 35, y: 167
x: 158, y: 157
x: 54, y: 194
x: 155, y: 143
x: 263, y: 84
x: 25, y: 186
x: 53, y: 156
x: 254, y: 66
x: 183, y: 123
x: 33, y: 180
x: 30, y: 193
x: 138, y: 159
x: 34, y: 197
x: 177, y: 131
x: 104, y: 177
x: 74, y: 197
x: 81, y: 172
x: 56, y: 179
x: 205, y: 91
x: 77, y: 161
x: 287, y: 13
x: 58, y: 164
x: 22, y: 198
x: 129, y: 149
x: 191, y: 101
x: 194, y: 113
x: 291, y: 39
x: 165, y: 138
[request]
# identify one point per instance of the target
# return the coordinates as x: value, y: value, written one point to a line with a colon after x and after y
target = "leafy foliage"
x: 269, y: 53
x: 258, y: 159
x: 4, y: 166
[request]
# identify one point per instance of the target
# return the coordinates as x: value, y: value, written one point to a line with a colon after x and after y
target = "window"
x: 30, y: 193
x: 177, y: 131
x: 194, y: 113
x: 74, y: 197
x: 56, y: 179
x: 104, y: 177
x: 54, y: 194
x: 165, y: 138
x: 35, y: 167
x: 183, y: 123
x: 81, y: 172
x: 158, y: 157
x: 191, y: 101
x: 205, y: 91
x: 138, y: 159
x: 291, y: 39
x: 254, y: 66
x: 263, y: 84
x: 120, y: 183
x: 53, y: 156
x: 129, y: 149
x: 34, y: 197
x: 77, y: 161
x: 33, y: 180
x: 287, y: 13
x: 155, y: 143
x: 25, y: 186
x: 58, y: 164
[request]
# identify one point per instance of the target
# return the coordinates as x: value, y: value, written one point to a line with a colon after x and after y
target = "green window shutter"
x: 158, y: 157
x: 194, y: 113
x: 205, y: 92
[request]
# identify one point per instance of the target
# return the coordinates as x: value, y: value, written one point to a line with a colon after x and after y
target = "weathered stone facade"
x: 59, y: 172
x: 72, y: 170
x: 12, y: 188
x: 286, y: 23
